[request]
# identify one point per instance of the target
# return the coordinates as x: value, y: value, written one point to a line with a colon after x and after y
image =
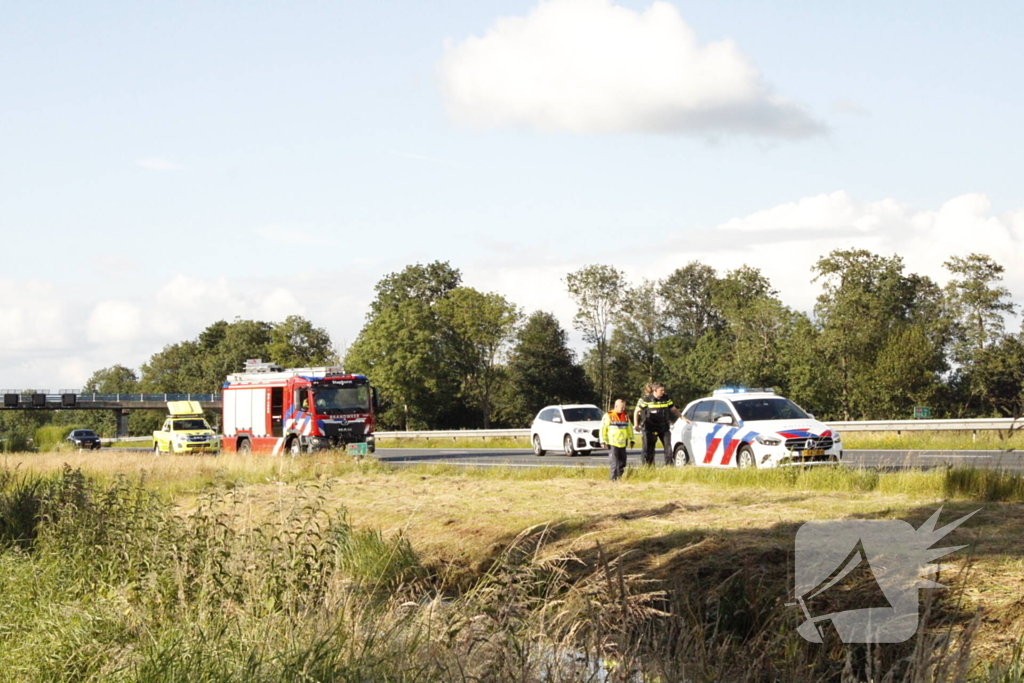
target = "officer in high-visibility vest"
x: 652, y: 417
x: 616, y: 435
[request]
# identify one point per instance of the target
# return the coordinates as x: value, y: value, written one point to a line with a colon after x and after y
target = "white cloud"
x: 587, y: 66
x: 114, y: 322
x: 285, y: 235
x: 32, y: 317
x: 835, y: 211
x: 787, y: 240
x: 850, y: 107
x: 157, y: 164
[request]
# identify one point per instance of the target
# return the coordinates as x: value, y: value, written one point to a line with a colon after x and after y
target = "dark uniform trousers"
x: 651, y: 434
x: 617, y: 461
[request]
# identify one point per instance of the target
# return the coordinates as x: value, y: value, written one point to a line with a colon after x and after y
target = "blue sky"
x: 166, y: 165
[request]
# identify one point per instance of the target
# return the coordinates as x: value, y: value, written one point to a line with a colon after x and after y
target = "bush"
x: 52, y: 437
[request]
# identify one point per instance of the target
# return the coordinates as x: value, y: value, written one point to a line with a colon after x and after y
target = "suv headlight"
x: 768, y: 440
x: 580, y: 430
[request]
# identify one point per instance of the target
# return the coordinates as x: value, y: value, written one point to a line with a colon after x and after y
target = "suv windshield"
x: 83, y: 432
x: 328, y: 400
x: 582, y: 414
x: 190, y: 424
x: 753, y: 409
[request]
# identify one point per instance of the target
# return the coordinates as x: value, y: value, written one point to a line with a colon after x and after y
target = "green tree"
x: 865, y: 299
x: 177, y: 368
x: 403, y: 347
x: 597, y: 291
x: 756, y: 325
x: 296, y: 343
x: 116, y: 379
x: 997, y: 374
x: 235, y: 343
x: 977, y: 303
x: 640, y: 331
x: 689, y: 307
x: 542, y: 370
x: 480, y: 326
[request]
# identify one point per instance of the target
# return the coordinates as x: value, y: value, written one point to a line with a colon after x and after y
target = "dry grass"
x: 665, y: 524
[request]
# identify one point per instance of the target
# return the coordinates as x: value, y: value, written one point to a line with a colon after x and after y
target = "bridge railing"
x: 26, y: 397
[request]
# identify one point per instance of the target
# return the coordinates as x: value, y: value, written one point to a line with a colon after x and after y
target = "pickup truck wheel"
x: 156, y: 448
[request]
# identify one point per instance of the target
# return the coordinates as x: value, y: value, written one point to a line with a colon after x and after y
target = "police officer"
x: 616, y: 434
x: 652, y: 416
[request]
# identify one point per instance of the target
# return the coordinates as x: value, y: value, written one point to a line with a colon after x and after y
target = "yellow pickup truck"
x: 185, y: 431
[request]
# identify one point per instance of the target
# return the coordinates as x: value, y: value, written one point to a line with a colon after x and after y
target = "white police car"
x: 752, y: 428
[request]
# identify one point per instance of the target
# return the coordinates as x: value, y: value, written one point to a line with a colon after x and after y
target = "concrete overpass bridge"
x: 120, y: 404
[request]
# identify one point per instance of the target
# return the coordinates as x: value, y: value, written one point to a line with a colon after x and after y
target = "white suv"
x: 575, y: 429
x: 752, y: 428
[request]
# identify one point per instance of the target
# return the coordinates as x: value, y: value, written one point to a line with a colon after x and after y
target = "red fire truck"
x: 271, y: 409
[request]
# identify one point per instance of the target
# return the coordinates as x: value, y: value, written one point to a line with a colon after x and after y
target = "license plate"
x: 813, y: 452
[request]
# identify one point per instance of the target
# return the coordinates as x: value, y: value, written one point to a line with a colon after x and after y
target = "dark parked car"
x: 84, y: 438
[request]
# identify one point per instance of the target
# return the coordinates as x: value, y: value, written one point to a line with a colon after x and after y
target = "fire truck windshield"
x: 330, y: 400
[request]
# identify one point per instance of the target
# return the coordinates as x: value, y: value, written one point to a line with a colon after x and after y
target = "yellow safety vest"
x: 616, y: 429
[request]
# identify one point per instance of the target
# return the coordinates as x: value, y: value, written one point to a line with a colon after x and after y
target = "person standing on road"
x: 616, y: 435
x: 652, y: 417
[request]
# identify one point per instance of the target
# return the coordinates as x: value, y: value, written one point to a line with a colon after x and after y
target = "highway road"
x: 852, y: 458
x: 518, y: 457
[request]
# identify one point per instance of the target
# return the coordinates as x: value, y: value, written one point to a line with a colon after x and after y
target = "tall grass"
x: 111, y: 582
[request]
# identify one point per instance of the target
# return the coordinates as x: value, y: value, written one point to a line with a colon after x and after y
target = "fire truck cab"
x: 298, y: 410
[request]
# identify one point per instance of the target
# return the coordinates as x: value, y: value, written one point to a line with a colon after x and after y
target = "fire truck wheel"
x: 244, y: 447
x: 567, y: 446
x: 537, y: 450
x: 295, y: 447
x: 745, y: 457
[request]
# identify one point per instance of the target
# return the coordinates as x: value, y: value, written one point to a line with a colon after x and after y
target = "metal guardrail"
x: 456, y: 434
x: 973, y: 425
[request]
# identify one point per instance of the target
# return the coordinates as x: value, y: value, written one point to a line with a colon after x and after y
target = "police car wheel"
x: 745, y: 457
x: 567, y: 446
x: 682, y: 457
x: 537, y: 450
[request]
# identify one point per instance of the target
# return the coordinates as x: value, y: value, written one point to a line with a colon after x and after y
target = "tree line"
x: 198, y: 365
x: 879, y: 341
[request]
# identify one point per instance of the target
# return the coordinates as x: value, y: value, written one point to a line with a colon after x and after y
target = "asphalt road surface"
x: 501, y: 457
x: 520, y: 457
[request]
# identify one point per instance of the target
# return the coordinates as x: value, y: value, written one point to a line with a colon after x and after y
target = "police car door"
x: 700, y: 433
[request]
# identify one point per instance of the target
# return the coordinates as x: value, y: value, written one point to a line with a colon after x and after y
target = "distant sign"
x: 922, y: 412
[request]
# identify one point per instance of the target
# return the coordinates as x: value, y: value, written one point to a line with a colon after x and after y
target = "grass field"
x: 324, y: 568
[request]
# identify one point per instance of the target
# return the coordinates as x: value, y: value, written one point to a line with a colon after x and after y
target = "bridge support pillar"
x: 121, y: 415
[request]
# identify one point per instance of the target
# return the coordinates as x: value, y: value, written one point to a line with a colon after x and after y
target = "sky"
x: 166, y: 165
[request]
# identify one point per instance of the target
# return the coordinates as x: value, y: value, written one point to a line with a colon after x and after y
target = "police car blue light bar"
x: 743, y: 390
